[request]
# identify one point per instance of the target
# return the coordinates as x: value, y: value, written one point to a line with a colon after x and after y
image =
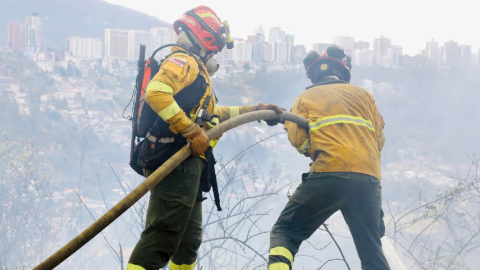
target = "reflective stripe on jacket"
x: 178, y: 71
x: 345, y: 131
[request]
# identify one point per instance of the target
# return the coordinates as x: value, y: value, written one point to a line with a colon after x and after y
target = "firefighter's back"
x: 345, y: 127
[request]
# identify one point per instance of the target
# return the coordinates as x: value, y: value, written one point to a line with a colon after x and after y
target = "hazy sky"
x: 409, y: 23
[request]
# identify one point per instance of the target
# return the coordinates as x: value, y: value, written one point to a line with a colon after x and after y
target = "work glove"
x: 276, y: 108
x: 197, y: 139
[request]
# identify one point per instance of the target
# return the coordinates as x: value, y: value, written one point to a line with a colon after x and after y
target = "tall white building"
x: 298, y: 54
x: 268, y: 52
x: 451, y: 54
x: 226, y: 54
x: 276, y: 34
x: 432, y: 52
x: 33, y: 33
x: 242, y: 51
x: 475, y: 59
x: 380, y: 47
x: 162, y: 36
x: 320, y: 47
x: 347, y: 43
x: 260, y: 31
x: 116, y: 43
x: 466, y: 55
x: 257, y: 51
x: 290, y: 39
x: 362, y: 57
x: 85, y: 47
x: 282, y: 51
x: 282, y: 45
x: 135, y: 38
x: 395, y: 55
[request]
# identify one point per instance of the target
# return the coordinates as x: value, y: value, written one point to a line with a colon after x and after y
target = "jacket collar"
x: 325, y: 83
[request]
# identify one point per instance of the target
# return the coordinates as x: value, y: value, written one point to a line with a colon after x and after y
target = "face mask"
x: 212, y: 66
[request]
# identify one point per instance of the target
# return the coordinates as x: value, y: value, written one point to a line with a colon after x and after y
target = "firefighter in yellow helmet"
x: 344, y: 140
x: 180, y: 93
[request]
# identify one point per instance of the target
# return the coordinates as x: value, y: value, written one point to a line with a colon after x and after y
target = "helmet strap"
x: 330, y: 78
x: 196, y: 49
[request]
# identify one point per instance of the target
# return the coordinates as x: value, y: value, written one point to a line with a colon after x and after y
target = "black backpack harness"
x: 160, y: 143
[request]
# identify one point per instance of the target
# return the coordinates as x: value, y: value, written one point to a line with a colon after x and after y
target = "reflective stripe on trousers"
x: 341, y: 119
x: 174, y: 266
x: 279, y: 266
x: 284, y: 256
x: 131, y: 266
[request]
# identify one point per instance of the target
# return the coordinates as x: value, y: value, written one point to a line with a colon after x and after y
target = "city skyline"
x: 279, y: 47
x: 26, y: 36
x: 409, y: 23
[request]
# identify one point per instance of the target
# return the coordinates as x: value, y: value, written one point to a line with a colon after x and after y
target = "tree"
x: 235, y: 238
x: 60, y: 71
x: 31, y: 212
x: 442, y: 232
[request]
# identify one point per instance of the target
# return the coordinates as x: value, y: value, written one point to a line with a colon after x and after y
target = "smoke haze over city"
x: 68, y: 76
x: 408, y: 23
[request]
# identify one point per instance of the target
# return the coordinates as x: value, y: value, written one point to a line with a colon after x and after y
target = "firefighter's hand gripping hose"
x: 89, y: 233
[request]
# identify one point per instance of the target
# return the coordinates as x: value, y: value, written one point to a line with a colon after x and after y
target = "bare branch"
x: 339, y: 249
x: 331, y: 260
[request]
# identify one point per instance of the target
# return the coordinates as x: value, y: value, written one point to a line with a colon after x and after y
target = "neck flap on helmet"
x: 327, y: 66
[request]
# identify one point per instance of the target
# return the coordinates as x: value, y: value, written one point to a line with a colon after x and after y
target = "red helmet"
x: 207, y: 27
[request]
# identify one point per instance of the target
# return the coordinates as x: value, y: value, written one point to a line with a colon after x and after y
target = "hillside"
x: 63, y: 18
x: 427, y: 109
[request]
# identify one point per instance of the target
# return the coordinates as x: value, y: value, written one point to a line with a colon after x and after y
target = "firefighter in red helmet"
x: 178, y: 93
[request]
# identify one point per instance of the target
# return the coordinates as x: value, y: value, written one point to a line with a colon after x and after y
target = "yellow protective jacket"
x: 178, y: 71
x: 345, y: 129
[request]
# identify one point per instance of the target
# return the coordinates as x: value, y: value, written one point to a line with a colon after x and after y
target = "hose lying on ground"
x: 155, y: 178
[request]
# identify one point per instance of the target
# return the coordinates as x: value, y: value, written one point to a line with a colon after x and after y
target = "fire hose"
x: 156, y: 177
